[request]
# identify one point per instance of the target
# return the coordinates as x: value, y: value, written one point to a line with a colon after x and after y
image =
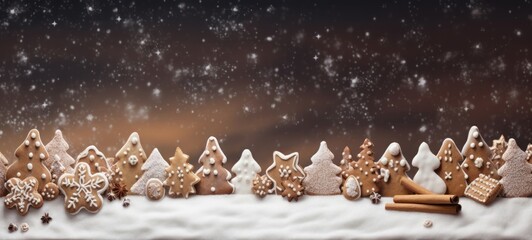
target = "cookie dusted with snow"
x: 477, y: 157
x: 96, y: 160
x: 427, y: 162
x: 450, y: 170
x: 30, y: 157
x: 284, y: 167
x: 82, y: 189
x: 516, y: 173
x: 246, y: 169
x: 3, y: 190
x: 154, y: 189
x: 351, y: 188
x: 498, y: 148
x: 345, y: 163
x: 322, y: 176
x: 57, y: 149
x: 23, y: 194
x: 214, y: 177
x: 128, y: 162
x: 365, y: 169
x: 153, y: 168
x: 392, y: 166
x: 529, y: 153
x: 181, y: 178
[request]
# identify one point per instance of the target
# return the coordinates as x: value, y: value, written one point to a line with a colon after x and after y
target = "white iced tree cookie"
x: 477, y: 157
x: 246, y: 169
x: 427, y: 162
x: 322, y: 176
x: 128, y: 162
x: 516, y: 172
x: 393, y: 166
x: 82, y: 189
x: 153, y: 168
x: 96, y: 160
x: 57, y: 149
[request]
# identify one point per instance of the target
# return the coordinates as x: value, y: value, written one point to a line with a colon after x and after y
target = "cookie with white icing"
x: 498, y: 148
x: 23, y: 194
x: 351, y: 188
x: 365, y: 169
x: 214, y: 177
x: 82, y: 189
x: 153, y: 168
x: 282, y: 168
x: 393, y: 166
x: 516, y: 173
x: 96, y: 160
x: 246, y: 169
x: 57, y: 149
x: 427, y: 162
x: 450, y: 170
x: 477, y: 157
x: 128, y: 162
x: 345, y: 163
x: 154, y: 189
x: 181, y: 178
x: 322, y: 176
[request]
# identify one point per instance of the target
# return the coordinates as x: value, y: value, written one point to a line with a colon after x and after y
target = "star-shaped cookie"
x: 23, y: 194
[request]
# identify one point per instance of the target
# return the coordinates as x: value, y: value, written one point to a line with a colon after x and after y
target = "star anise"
x: 111, y: 196
x: 46, y: 218
x: 375, y: 197
x: 119, y: 189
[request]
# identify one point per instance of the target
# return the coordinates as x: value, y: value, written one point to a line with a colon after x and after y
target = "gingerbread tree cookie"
x: 153, y: 168
x: 322, y: 175
x: 345, y: 163
x: 450, y: 170
x: 246, y: 169
x: 180, y: 176
x: 392, y: 167
x: 529, y: 153
x: 498, y: 148
x: 23, y: 194
x: 129, y: 161
x: 516, y: 173
x: 82, y: 189
x: 477, y: 157
x: 284, y: 167
x: 30, y: 156
x: 3, y: 190
x: 427, y: 162
x: 214, y: 177
x: 96, y: 160
x: 57, y: 149
x: 365, y: 169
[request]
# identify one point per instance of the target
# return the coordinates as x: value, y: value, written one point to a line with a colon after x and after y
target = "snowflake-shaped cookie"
x: 82, y: 189
x: 23, y: 194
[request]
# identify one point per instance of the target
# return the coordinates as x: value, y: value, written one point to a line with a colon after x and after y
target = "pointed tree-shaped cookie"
x: 345, y: 163
x: 450, y: 170
x: 96, y: 160
x: 214, y: 177
x: 3, y: 190
x: 57, y: 149
x: 427, y: 162
x: 498, y: 148
x: 284, y: 167
x: 365, y: 169
x: 246, y: 169
x: 477, y: 157
x: 529, y: 153
x: 181, y: 178
x: 393, y: 167
x: 129, y: 161
x: 322, y: 176
x: 516, y: 173
x: 153, y: 168
x: 30, y: 156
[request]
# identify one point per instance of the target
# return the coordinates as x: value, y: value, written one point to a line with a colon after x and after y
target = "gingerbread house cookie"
x: 284, y: 167
x: 516, y: 173
x: 477, y: 157
x: 450, y: 170
x: 322, y: 176
x: 214, y: 177
x: 392, y: 167
x: 181, y: 178
x: 129, y: 160
x: 96, y: 160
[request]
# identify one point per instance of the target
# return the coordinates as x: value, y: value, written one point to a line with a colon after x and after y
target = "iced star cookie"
x: 23, y: 194
x: 516, y: 173
x: 284, y: 167
x: 214, y: 177
x: 181, y: 178
x: 450, y: 170
x: 82, y: 189
x: 129, y: 160
x: 477, y: 157
x: 322, y: 176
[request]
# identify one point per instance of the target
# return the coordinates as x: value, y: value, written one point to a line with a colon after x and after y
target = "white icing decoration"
x: 206, y: 171
x: 215, y: 172
x: 385, y: 173
x: 472, y: 145
x: 394, y: 149
x: 448, y: 175
x: 476, y: 134
x: 33, y: 135
x: 91, y: 158
x: 97, y: 182
x: 133, y: 160
x: 213, y: 189
x: 30, y: 155
x: 134, y: 140
x: 29, y: 166
x: 481, y: 144
x: 479, y: 162
x: 211, y: 161
x: 352, y: 187
x: 22, y: 193
x: 37, y: 144
x: 27, y: 143
x: 43, y: 176
x: 42, y: 156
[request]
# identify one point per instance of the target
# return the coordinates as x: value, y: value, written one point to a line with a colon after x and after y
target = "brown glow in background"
x: 280, y: 76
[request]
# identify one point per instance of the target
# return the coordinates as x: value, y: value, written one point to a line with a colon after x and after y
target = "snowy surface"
x: 245, y: 216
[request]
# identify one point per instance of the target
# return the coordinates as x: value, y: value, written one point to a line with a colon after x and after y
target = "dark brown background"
x: 265, y: 76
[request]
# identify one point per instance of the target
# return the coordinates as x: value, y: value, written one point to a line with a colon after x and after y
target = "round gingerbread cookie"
x: 155, y: 189
x: 50, y: 191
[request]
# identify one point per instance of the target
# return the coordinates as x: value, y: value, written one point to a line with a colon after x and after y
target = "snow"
x: 222, y: 217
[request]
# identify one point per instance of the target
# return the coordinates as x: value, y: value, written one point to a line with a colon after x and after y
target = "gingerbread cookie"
x: 292, y: 188
x: 23, y: 194
x: 3, y: 190
x: 57, y: 149
x: 529, y: 153
x: 450, y: 170
x: 351, y: 188
x: 284, y: 167
x: 477, y: 157
x: 180, y: 176
x: 498, y: 148
x: 129, y: 161
x: 50, y: 192
x: 427, y: 162
x: 262, y: 186
x: 82, y: 189
x: 483, y: 189
x: 30, y: 156
x: 516, y: 173
x: 153, y: 168
x: 345, y: 163
x: 214, y: 177
x: 246, y: 168
x: 392, y: 166
x: 3, y: 160
x: 365, y: 169
x: 95, y: 159
x: 322, y: 176
x: 154, y: 189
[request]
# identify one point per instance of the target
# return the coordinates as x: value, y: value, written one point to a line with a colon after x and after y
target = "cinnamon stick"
x: 413, y: 187
x: 413, y: 207
x: 426, y: 199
